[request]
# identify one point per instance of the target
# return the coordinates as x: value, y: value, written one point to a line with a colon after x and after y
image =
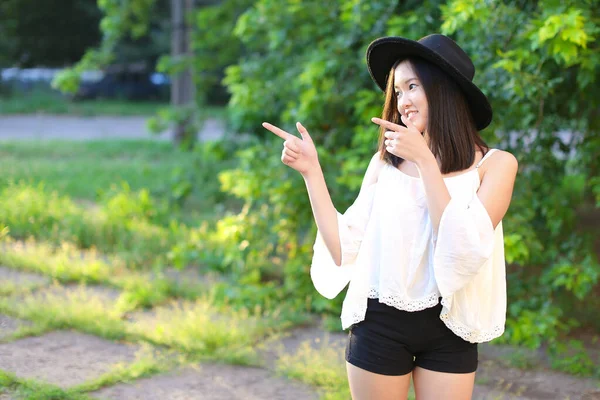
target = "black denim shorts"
x: 392, y: 342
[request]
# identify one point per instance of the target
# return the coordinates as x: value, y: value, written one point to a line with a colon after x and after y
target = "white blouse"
x: 390, y: 252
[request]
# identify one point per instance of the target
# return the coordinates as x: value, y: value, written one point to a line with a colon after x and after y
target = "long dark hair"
x: 451, y: 128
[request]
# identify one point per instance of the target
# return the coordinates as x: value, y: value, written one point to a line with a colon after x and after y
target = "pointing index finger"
x: 279, y: 132
x: 387, y: 124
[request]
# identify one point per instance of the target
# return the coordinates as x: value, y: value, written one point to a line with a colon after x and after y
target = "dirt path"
x: 47, y: 127
x: 68, y: 358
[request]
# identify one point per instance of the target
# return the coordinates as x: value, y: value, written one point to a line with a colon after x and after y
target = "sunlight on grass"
x: 58, y: 307
x: 46, y: 215
x: 88, y: 169
x: 201, y: 329
x: 85, y: 169
x: 25, y: 331
x: 32, y: 390
x: 66, y: 263
x: 509, y: 388
x: 148, y: 361
x: 9, y: 288
x: 318, y: 367
x: 322, y: 367
x: 139, y: 291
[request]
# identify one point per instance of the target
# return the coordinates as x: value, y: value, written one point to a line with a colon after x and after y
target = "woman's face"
x: 412, y: 102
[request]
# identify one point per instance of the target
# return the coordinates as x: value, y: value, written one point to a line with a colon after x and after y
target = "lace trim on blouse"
x: 359, y: 311
x: 466, y: 333
x: 406, y: 305
x: 472, y: 336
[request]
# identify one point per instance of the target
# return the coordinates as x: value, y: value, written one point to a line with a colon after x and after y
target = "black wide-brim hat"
x: 440, y: 50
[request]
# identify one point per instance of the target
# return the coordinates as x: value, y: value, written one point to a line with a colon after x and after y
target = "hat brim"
x: 383, y: 53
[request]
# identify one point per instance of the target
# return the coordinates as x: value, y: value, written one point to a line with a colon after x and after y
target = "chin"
x: 420, y: 127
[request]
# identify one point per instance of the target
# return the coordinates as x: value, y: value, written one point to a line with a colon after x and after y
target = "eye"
x: 411, y: 86
x: 398, y: 93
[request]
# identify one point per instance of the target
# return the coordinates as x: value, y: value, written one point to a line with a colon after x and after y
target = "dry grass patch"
x: 148, y: 362
x: 205, y: 331
x: 65, y: 263
x: 58, y: 307
x: 68, y: 264
x: 17, y: 388
x: 320, y: 366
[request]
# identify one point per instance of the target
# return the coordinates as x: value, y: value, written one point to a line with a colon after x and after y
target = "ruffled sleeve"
x: 463, y: 244
x: 328, y: 278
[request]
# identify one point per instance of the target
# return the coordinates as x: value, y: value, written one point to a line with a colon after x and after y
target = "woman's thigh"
x: 433, y: 385
x: 365, y: 385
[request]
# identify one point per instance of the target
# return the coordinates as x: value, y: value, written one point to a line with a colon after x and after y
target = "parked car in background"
x: 130, y: 82
x: 129, y: 86
x: 135, y: 81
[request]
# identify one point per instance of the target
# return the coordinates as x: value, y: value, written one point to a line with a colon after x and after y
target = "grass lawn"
x: 50, y: 102
x: 81, y: 169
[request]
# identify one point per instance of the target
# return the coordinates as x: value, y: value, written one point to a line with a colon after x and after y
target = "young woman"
x: 422, y: 245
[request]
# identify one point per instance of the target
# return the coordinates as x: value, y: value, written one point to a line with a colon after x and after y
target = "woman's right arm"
x: 301, y: 155
x: 324, y: 212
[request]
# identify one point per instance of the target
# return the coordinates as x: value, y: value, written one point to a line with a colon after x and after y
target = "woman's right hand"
x: 299, y: 154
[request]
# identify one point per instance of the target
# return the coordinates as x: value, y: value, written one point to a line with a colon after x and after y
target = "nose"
x: 403, y: 102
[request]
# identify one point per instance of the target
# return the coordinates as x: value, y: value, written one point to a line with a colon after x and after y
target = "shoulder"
x: 375, y: 165
x: 500, y: 163
x: 373, y: 170
x: 377, y: 161
x: 495, y: 191
x: 505, y: 158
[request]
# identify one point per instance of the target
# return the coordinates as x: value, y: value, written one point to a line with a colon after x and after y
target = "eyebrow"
x: 406, y: 81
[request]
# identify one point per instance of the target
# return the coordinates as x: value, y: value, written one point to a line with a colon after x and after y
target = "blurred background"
x: 132, y: 129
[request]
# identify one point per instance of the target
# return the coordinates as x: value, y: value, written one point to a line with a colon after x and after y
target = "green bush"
x: 536, y: 62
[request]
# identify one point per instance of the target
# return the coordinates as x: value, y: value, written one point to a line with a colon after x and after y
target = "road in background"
x: 52, y: 127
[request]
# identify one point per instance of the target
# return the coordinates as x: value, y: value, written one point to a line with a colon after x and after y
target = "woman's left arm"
x: 464, y: 235
x: 497, y: 184
x: 494, y: 193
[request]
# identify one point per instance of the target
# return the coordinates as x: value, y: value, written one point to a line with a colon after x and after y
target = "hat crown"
x: 451, y: 52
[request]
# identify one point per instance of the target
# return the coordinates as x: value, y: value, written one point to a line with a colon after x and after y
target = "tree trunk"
x: 182, y: 84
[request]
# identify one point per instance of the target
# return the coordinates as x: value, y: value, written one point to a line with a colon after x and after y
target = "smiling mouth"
x: 410, y: 114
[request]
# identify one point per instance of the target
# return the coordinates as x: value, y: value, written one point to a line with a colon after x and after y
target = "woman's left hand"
x: 405, y: 142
